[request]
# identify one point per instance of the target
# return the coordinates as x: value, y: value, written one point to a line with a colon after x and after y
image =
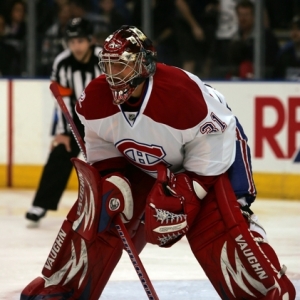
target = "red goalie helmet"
x: 127, y: 59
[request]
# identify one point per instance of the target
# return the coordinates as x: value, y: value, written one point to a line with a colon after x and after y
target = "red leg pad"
x: 85, y: 276
x: 271, y: 255
x: 76, y: 268
x: 235, y: 264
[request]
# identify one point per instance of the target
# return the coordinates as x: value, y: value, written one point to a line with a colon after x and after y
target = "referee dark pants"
x: 55, y: 176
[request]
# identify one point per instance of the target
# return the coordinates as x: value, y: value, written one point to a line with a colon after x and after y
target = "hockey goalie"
x: 166, y: 154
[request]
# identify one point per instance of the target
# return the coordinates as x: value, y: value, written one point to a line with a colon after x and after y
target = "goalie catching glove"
x: 171, y: 208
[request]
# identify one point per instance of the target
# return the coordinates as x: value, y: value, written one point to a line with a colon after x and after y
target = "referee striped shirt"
x: 72, y: 77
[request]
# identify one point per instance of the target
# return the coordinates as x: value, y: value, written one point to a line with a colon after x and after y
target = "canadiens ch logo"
x: 142, y: 155
x: 114, y: 45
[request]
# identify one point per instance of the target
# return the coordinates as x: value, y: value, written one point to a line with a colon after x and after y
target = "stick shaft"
x: 135, y: 259
x: 55, y: 91
x: 122, y: 231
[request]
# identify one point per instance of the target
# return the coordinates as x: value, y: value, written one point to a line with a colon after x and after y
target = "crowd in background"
x: 212, y: 38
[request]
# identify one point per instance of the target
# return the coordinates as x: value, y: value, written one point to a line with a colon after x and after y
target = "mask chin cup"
x: 122, y: 95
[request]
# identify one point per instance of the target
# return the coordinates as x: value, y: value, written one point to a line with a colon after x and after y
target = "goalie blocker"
x: 237, y: 261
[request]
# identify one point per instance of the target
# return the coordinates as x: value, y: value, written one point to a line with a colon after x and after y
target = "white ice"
x: 174, y: 272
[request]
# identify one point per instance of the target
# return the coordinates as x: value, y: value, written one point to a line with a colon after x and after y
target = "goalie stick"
x: 122, y: 231
x: 55, y: 91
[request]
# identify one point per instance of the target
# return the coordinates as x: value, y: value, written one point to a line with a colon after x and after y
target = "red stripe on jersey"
x: 246, y: 162
x: 98, y: 100
x: 176, y: 100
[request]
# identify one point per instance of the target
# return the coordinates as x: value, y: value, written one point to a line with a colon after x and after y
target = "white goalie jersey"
x: 186, y: 128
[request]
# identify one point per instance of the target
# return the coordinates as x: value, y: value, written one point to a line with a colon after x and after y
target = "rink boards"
x: 268, y: 111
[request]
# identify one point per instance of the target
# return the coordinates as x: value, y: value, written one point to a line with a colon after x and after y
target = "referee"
x: 72, y: 69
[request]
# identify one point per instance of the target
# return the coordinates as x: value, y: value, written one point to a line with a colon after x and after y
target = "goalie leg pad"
x: 84, y: 214
x: 76, y: 268
x: 99, y: 198
x: 81, y: 259
x: 235, y: 264
x: 272, y: 257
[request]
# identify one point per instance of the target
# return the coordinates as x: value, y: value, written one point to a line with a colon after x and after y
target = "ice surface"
x: 174, y: 272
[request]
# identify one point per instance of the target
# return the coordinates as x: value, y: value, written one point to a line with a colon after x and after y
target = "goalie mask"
x: 128, y: 58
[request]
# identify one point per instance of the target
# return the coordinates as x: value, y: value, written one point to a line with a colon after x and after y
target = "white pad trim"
x: 125, y: 189
x: 199, y: 190
x: 255, y: 226
x: 242, y: 201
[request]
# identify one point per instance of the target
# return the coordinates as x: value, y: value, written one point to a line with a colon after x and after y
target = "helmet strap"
x: 137, y: 81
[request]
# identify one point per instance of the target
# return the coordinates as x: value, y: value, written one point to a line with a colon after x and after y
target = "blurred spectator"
x: 227, y: 20
x: 288, y: 61
x: 47, y: 13
x: 241, y: 48
x: 5, y: 7
x: 280, y: 13
x: 16, y: 26
x: 195, y: 30
x: 3, y: 27
x: 52, y: 43
x: 9, y: 58
x: 78, y: 9
x: 227, y: 28
x: 16, y: 29
x: 107, y: 20
x: 226, y: 31
x: 122, y: 6
x: 163, y: 31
